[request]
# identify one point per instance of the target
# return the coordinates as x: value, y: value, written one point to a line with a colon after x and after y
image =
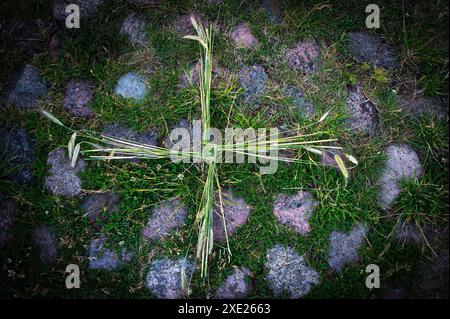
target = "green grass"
x: 98, y: 54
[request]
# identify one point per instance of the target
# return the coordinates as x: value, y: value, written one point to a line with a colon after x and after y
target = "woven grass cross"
x: 104, y: 147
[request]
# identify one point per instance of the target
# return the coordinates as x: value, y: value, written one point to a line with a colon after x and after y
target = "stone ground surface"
x: 88, y: 8
x: 236, y: 286
x: 363, y: 116
x: 305, y: 108
x: 370, y: 48
x: 417, y: 106
x: 78, y: 98
x: 253, y: 81
x: 101, y: 257
x: 304, y: 56
x: 134, y: 28
x: 165, y: 217
x: 7, y: 212
x: 295, y: 211
x: 19, y: 149
x: 46, y: 244
x: 402, y: 163
x: 63, y: 179
x: 343, y: 249
x: 132, y: 86
x: 26, y: 88
x: 243, y: 37
x: 235, y: 211
x: 98, y: 206
x: 169, y: 278
x: 288, y: 273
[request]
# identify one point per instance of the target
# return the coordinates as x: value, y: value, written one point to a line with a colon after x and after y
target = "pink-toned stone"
x: 191, y: 77
x: 304, y: 56
x: 166, y: 217
x: 243, y: 37
x: 295, y: 211
x: 235, y: 211
x: 328, y: 158
x: 236, y: 286
x: 78, y: 97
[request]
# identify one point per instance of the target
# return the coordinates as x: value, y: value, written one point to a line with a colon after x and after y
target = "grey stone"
x: 274, y: 10
x: 63, y: 179
x: 235, y: 212
x: 166, y: 217
x: 418, y: 106
x: 343, y: 249
x: 7, y: 210
x: 100, y: 205
x: 134, y: 28
x: 370, y: 48
x: 402, y: 163
x: 236, y: 286
x: 78, y: 97
x: 288, y: 273
x: 253, y: 81
x: 295, y: 211
x: 132, y: 85
x: 363, y: 116
x: 46, y: 244
x: 306, y: 109
x: 26, y: 88
x: 19, y: 151
x: 170, y: 278
x: 88, y: 8
x: 101, y: 257
x: 304, y: 56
